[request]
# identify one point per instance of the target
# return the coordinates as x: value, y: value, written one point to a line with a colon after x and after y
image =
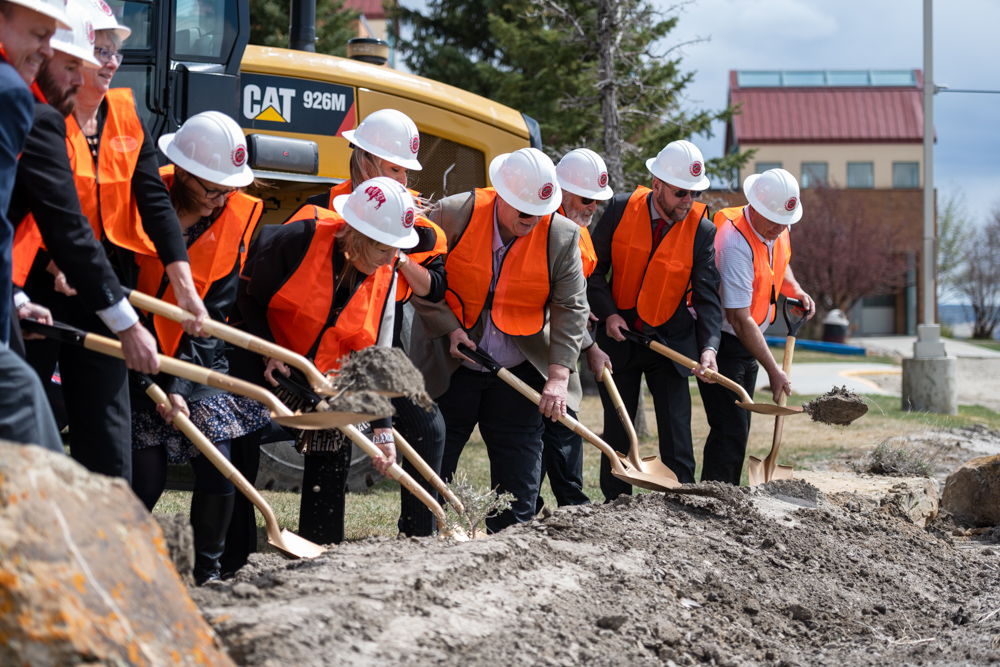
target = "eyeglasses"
x: 681, y: 194
x: 213, y: 194
x: 525, y: 216
x: 106, y: 56
x: 586, y: 201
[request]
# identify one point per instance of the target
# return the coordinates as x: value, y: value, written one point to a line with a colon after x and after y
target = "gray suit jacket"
x: 558, y: 342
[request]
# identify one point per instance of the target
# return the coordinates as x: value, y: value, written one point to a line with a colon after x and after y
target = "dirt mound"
x: 360, y: 401
x: 651, y: 579
x: 383, y: 369
x: 838, y: 407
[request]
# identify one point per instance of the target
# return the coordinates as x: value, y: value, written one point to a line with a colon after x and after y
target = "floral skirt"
x: 219, y: 417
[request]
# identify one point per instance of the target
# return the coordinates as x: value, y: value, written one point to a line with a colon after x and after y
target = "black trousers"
x: 511, y: 427
x: 672, y: 403
x: 726, y: 446
x: 425, y: 431
x: 562, y: 461
x: 95, y: 386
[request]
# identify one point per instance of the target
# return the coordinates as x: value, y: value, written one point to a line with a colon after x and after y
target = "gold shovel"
x: 649, y: 465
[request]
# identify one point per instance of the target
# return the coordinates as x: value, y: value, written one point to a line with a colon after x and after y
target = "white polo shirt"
x: 734, y: 257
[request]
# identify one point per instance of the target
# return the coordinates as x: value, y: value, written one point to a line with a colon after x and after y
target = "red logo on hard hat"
x: 408, y: 218
x: 90, y: 33
x: 375, y: 192
x: 104, y: 7
x: 415, y: 144
x: 240, y: 155
x: 790, y: 204
x: 602, y: 180
x: 545, y: 191
x: 696, y: 168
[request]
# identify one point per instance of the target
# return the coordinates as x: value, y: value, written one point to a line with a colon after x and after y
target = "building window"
x: 813, y: 174
x: 906, y: 174
x: 764, y: 166
x: 860, y: 175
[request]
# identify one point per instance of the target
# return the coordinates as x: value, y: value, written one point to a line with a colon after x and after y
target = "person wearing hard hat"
x: 213, y: 215
x: 115, y: 178
x: 516, y: 290
x: 752, y: 251
x: 658, y: 247
x: 25, y: 29
x: 583, y: 177
x: 323, y: 285
x: 386, y: 144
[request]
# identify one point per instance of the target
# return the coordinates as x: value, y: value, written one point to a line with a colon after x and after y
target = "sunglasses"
x: 526, y: 216
x: 106, y: 56
x: 586, y: 201
x: 213, y: 194
x: 681, y: 194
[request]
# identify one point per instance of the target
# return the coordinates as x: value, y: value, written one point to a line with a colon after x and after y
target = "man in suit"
x: 516, y: 290
x: 657, y: 246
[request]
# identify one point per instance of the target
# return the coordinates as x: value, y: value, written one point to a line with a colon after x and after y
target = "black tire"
x: 281, y: 469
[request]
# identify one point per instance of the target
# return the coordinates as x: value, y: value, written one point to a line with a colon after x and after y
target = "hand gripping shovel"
x: 764, y: 471
x: 313, y: 421
x: 649, y: 465
x: 621, y: 467
x: 395, y: 471
x: 319, y: 382
x: 745, y: 401
x: 283, y: 540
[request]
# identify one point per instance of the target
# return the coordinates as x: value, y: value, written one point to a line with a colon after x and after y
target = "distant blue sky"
x: 859, y: 34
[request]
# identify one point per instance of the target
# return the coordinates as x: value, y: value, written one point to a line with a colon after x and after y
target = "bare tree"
x: 953, y: 232
x: 979, y: 279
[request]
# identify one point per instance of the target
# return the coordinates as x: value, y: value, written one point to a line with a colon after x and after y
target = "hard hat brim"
x: 513, y: 200
x: 340, y: 206
x: 600, y: 195
x: 412, y: 165
x: 88, y: 59
x: 701, y: 183
x: 240, y: 179
x: 759, y: 206
x: 62, y: 21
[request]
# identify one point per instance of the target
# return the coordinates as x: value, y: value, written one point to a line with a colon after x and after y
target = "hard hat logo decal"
x: 602, y: 180
x: 408, y: 218
x: 545, y: 191
x: 415, y: 144
x: 374, y: 192
x: 696, y: 168
x: 239, y: 155
x: 790, y: 204
x: 90, y: 33
x: 104, y: 7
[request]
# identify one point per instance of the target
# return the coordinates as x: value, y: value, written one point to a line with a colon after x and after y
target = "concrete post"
x: 930, y: 381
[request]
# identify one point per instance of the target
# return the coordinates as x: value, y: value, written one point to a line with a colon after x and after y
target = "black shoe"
x: 210, y: 515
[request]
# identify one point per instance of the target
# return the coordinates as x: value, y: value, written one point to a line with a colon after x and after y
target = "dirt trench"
x: 779, y: 575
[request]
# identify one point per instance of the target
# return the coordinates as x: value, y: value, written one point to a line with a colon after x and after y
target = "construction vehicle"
x: 188, y: 56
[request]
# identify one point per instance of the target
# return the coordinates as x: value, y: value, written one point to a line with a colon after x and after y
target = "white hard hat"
x: 775, y: 195
x: 381, y: 209
x: 78, y: 40
x: 55, y: 9
x: 211, y: 146
x: 104, y: 19
x: 583, y: 172
x: 390, y: 135
x: 681, y: 165
x: 526, y: 179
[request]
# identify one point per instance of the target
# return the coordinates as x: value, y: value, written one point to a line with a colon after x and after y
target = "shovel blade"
x: 295, y: 546
x: 755, y: 471
x: 657, y: 468
x: 647, y: 481
x: 781, y: 472
x: 771, y: 410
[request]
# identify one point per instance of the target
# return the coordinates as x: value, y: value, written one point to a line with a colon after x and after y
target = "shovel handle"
x: 709, y: 373
x: 619, y: 405
x: 231, y: 335
x: 427, y: 472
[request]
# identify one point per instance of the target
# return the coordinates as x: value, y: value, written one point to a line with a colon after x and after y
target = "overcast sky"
x: 859, y: 34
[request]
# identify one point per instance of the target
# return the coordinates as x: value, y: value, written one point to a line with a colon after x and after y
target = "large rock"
x: 84, y: 573
x: 972, y: 493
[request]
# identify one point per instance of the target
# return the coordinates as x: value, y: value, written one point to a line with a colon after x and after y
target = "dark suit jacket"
x: 682, y: 331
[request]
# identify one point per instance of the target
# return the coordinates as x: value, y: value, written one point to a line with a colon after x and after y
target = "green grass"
x: 988, y: 344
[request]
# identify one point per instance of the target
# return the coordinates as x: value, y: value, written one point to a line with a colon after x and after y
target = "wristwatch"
x: 383, y: 439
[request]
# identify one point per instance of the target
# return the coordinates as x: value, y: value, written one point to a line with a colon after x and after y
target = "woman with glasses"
x: 209, y: 168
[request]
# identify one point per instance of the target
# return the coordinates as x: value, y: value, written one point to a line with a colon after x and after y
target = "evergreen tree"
x: 334, y: 25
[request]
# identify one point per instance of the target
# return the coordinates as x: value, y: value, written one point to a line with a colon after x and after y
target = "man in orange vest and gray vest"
x: 516, y: 290
x: 658, y: 247
x: 752, y: 251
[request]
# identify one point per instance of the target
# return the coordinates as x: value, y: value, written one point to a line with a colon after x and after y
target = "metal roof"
x: 826, y: 107
x: 372, y: 9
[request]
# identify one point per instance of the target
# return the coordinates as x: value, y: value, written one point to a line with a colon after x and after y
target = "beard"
x: 61, y: 99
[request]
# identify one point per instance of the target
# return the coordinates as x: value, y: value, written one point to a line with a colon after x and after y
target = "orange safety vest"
x: 212, y: 256
x: 768, y: 274
x: 301, y: 313
x: 424, y: 228
x: 654, y: 281
x: 522, y: 288
x: 587, y: 253
x: 339, y: 189
x: 27, y: 236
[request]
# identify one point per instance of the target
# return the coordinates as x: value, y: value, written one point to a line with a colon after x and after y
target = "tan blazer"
x: 558, y: 342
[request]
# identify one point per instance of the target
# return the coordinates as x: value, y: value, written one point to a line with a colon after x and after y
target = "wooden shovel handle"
x: 232, y: 335
x: 771, y: 462
x: 195, y: 373
x: 710, y: 374
x: 427, y: 472
x: 619, y: 405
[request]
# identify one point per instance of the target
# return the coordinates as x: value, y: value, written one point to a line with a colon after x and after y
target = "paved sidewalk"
x: 902, y: 346
x: 820, y: 378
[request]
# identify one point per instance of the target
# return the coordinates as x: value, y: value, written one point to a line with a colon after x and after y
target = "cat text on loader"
x: 189, y: 56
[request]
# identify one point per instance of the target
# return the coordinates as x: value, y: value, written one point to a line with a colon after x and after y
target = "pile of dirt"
x: 359, y: 401
x: 651, y: 579
x: 838, y: 407
x: 383, y: 369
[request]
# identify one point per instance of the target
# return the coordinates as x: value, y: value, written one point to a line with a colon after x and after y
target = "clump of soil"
x: 838, y: 407
x: 360, y: 401
x: 383, y: 369
x: 649, y: 579
x: 791, y: 488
